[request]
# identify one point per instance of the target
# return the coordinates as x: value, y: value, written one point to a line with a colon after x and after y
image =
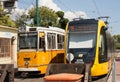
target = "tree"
x: 60, y: 14
x: 47, y: 16
x: 63, y: 21
x: 5, y: 18
x: 21, y: 20
x: 117, y: 40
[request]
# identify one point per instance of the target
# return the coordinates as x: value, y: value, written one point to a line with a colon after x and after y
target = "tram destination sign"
x: 28, y: 34
x: 77, y: 28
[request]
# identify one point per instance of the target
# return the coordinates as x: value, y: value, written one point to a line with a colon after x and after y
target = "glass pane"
x: 28, y: 41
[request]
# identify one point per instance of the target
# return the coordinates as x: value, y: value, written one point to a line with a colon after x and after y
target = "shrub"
x: 117, y: 45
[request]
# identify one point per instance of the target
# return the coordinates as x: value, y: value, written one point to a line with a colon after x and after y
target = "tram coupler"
x: 24, y: 74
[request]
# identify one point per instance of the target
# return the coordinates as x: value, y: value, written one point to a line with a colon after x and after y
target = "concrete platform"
x: 118, y: 68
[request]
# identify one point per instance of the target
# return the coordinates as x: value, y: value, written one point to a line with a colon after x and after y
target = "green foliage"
x: 117, y: 38
x: 117, y: 45
x: 60, y: 14
x: 117, y: 41
x: 20, y: 21
x: 63, y: 21
x: 5, y: 19
x: 46, y: 16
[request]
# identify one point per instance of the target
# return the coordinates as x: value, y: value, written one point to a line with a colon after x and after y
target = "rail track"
x: 34, y: 78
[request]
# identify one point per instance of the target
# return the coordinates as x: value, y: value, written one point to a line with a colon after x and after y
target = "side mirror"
x: 105, y: 28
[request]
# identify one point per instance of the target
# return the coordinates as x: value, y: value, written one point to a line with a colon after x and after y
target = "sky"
x: 80, y: 8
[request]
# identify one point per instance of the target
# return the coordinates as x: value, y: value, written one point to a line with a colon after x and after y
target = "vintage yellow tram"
x: 38, y: 47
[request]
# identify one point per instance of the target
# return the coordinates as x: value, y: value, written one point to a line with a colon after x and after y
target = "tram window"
x: 28, y: 40
x: 41, y: 40
x: 60, y: 41
x: 51, y: 41
x: 48, y: 41
x: 102, y: 47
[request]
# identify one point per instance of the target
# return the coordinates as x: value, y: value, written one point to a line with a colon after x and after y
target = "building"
x: 8, y: 45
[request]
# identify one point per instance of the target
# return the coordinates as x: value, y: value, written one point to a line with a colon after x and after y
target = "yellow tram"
x: 38, y: 47
x: 89, y: 41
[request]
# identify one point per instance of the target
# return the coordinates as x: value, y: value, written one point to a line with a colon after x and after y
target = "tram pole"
x: 37, y: 14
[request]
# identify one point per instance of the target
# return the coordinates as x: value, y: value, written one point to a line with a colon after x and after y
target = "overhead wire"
x: 23, y: 4
x: 97, y: 9
x: 67, y: 7
x: 64, y: 5
x: 33, y: 3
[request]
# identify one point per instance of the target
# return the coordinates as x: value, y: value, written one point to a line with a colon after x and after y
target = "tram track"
x: 28, y: 80
x: 34, y: 78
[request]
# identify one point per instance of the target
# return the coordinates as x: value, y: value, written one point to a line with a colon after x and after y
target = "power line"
x: 67, y: 7
x: 23, y: 4
x: 97, y: 9
x: 64, y: 5
x: 33, y: 3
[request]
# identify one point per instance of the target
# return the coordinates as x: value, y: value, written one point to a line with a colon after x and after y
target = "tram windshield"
x: 28, y: 40
x: 81, y: 40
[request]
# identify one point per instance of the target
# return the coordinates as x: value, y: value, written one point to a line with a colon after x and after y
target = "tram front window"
x: 27, y: 40
x: 81, y: 46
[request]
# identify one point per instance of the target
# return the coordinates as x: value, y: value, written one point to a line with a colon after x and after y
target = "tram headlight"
x: 70, y: 57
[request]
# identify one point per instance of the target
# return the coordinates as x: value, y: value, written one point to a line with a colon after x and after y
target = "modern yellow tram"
x: 89, y: 41
x: 38, y: 47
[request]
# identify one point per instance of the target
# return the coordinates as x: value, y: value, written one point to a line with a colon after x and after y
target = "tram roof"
x: 50, y: 28
x: 83, y: 21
